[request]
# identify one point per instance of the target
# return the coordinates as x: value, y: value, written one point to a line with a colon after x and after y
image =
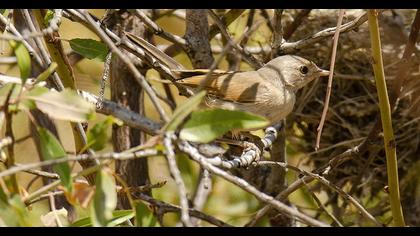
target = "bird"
x: 269, y: 92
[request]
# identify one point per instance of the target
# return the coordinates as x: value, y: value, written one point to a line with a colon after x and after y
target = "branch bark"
x: 198, y: 39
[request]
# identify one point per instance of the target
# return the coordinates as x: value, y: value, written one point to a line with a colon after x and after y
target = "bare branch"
x: 246, y: 55
x: 277, y: 33
x: 330, y: 78
x: 82, y: 157
x: 137, y: 75
x: 321, y: 205
x: 290, y: 48
x: 330, y: 185
x: 173, y: 168
x: 196, y: 156
x: 297, y: 21
x: 159, y: 31
x: 167, y: 207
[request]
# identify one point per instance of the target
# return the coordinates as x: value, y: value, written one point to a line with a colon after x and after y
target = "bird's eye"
x: 304, y: 70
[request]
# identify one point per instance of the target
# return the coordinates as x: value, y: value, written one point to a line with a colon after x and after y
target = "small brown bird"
x: 268, y: 91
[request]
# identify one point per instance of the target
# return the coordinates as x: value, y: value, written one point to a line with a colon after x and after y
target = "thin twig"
x: 41, y: 173
x: 293, y: 47
x: 324, y: 170
x: 321, y: 205
x: 330, y: 185
x: 227, y: 19
x: 82, y: 157
x: 133, y: 48
x: 62, y: 78
x: 10, y: 161
x: 137, y: 75
x: 37, y: 193
x: 54, y: 210
x: 204, y: 188
x: 277, y: 33
x: 297, y: 21
x: 246, y: 55
x: 267, y: 19
x: 159, y: 31
x: 229, y: 45
x: 173, y: 168
x: 13, y: 29
x: 249, y: 24
x: 130, y: 118
x: 330, y: 78
x: 8, y: 60
x: 196, y: 156
x: 167, y: 207
x: 403, y: 68
x: 45, y: 196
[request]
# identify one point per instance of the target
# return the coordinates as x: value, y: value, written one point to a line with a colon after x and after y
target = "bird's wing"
x: 230, y: 86
x: 184, y: 73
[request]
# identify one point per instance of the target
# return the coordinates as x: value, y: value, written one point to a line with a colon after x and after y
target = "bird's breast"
x: 278, y: 105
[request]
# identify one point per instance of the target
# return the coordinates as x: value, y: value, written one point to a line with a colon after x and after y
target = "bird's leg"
x: 248, y: 148
x: 240, y: 138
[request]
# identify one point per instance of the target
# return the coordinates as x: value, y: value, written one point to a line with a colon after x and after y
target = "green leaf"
x: 51, y: 149
x: 105, y: 199
x: 89, y: 48
x: 83, y: 222
x: 7, y: 215
x: 144, y: 216
x: 119, y: 216
x: 13, y: 211
x: 48, y: 16
x: 66, y: 105
x: 97, y: 135
x: 4, y: 91
x: 183, y: 111
x: 23, y: 59
x: 44, y: 75
x: 2, y: 11
x: 3, y: 195
x: 204, y: 126
x: 37, y: 91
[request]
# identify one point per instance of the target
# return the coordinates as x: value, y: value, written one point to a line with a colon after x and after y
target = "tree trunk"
x: 128, y: 93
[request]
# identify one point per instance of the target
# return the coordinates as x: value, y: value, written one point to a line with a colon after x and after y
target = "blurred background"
x: 353, y: 107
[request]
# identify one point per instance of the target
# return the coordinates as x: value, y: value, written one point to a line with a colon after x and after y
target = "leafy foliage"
x: 206, y: 125
x: 183, y: 111
x: 118, y: 217
x: 66, y: 105
x: 105, y: 199
x: 48, y: 16
x: 97, y: 135
x: 51, y: 149
x: 23, y: 59
x: 89, y: 48
x: 144, y: 216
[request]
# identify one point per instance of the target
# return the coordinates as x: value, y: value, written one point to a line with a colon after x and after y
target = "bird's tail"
x: 155, y: 52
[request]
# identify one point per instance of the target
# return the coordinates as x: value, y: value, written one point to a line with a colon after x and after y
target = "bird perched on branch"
x: 268, y: 91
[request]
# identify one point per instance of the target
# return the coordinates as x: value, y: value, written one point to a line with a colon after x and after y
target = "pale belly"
x: 273, y: 109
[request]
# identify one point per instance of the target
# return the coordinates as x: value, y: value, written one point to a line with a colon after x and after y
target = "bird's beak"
x: 322, y: 72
